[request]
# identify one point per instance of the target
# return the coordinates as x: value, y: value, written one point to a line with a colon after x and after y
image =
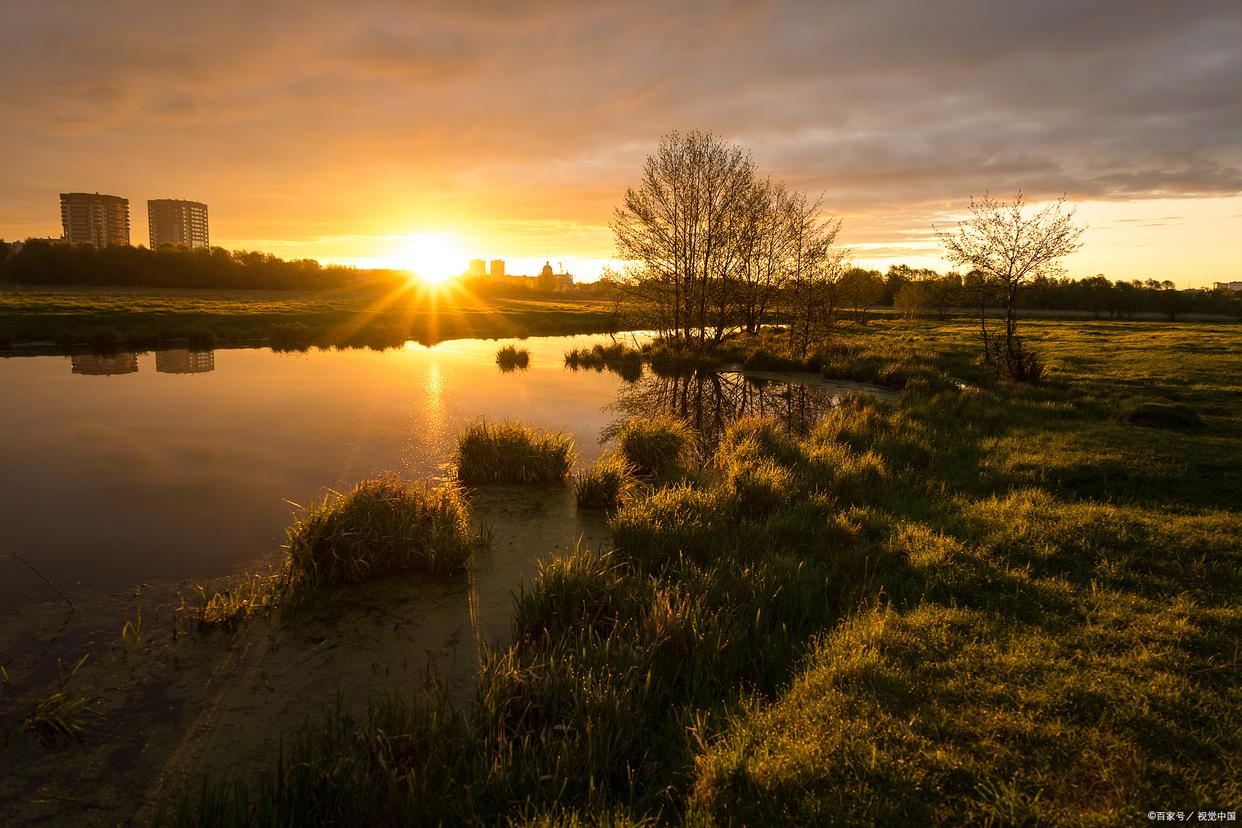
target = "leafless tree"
x: 1009, y: 248
x: 765, y: 249
x: 684, y: 228
x: 813, y: 263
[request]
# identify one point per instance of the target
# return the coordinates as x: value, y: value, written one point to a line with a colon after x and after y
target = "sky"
x: 347, y: 132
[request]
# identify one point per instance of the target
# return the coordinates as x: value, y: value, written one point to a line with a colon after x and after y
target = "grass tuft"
x: 512, y: 453
x: 605, y: 485
x: 656, y: 446
x: 382, y: 527
x: 510, y: 358
x: 60, y: 717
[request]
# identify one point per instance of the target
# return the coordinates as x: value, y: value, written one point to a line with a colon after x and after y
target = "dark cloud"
x: 546, y: 109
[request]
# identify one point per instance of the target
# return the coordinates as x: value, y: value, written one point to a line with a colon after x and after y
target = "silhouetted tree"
x: 1011, y: 248
x: 943, y: 292
x: 684, y: 227
x: 859, y: 289
x: 910, y: 299
x: 814, y: 264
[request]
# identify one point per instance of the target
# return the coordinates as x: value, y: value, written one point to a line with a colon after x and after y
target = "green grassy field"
x: 118, y: 317
x: 989, y: 605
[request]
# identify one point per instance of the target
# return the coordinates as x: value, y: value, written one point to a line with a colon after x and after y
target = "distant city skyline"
x: 337, y: 136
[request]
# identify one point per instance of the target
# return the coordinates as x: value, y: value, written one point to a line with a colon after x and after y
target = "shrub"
x: 606, y: 484
x: 512, y: 453
x: 382, y: 527
x: 656, y: 445
x: 510, y: 358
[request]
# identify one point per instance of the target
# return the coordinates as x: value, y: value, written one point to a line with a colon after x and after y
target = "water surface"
x: 123, y: 468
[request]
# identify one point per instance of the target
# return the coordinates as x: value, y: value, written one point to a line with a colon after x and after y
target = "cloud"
x: 316, y: 118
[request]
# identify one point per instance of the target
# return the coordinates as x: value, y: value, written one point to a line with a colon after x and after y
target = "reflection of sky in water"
x: 182, y: 467
x: 108, y: 479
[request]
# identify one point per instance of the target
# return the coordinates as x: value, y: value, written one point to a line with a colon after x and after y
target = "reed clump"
x: 606, y: 484
x: 656, y: 446
x: 60, y: 716
x: 512, y: 453
x: 380, y: 528
x: 510, y: 358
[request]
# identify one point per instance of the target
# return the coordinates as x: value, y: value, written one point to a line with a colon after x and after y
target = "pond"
x: 125, y: 468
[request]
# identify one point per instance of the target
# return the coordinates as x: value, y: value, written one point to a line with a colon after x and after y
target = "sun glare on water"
x: 433, y: 258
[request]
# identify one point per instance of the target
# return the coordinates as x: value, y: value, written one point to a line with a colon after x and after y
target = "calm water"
x: 169, y: 465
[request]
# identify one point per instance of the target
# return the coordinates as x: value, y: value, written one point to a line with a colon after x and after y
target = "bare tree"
x: 684, y: 226
x: 813, y: 262
x: 1009, y: 249
x: 765, y: 249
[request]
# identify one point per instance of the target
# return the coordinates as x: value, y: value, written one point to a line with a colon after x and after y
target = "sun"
x: 433, y: 257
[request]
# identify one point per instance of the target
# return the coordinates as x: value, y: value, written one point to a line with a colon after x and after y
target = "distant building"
x: 185, y: 361
x: 177, y: 222
x: 91, y: 218
x: 549, y: 279
x: 1233, y: 287
x: 104, y: 365
x: 478, y: 267
x: 496, y: 268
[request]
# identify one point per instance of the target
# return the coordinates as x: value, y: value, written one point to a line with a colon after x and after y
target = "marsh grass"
x: 606, y: 484
x: 657, y: 445
x: 994, y: 606
x: 510, y: 358
x: 380, y: 528
x: 61, y: 716
x: 241, y: 599
x: 512, y: 453
x: 616, y: 357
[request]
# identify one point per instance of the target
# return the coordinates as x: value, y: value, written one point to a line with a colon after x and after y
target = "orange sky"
x: 338, y: 131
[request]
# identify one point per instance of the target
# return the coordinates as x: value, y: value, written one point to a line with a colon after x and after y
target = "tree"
x: 909, y: 299
x: 1010, y: 249
x: 813, y: 263
x: 860, y: 289
x: 685, y: 226
x: 943, y: 292
x: 765, y: 249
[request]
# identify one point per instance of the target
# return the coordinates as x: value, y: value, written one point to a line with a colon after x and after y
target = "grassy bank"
x: 361, y: 315
x: 995, y: 605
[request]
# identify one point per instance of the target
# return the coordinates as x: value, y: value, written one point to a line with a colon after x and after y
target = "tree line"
x: 923, y: 290
x: 714, y: 247
x: 55, y: 263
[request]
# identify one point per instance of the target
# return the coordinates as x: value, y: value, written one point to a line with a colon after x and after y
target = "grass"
x: 61, y: 716
x: 622, y: 360
x: 997, y: 605
x: 512, y: 453
x: 362, y: 315
x: 656, y: 446
x: 380, y: 528
x: 245, y: 597
x: 606, y: 484
x: 510, y: 358
x: 1163, y: 415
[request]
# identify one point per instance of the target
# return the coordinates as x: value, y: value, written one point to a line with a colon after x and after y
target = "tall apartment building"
x: 91, y: 218
x: 496, y: 268
x: 478, y: 267
x: 173, y: 221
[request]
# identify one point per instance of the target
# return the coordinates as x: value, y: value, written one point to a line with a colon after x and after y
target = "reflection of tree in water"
x: 709, y: 401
